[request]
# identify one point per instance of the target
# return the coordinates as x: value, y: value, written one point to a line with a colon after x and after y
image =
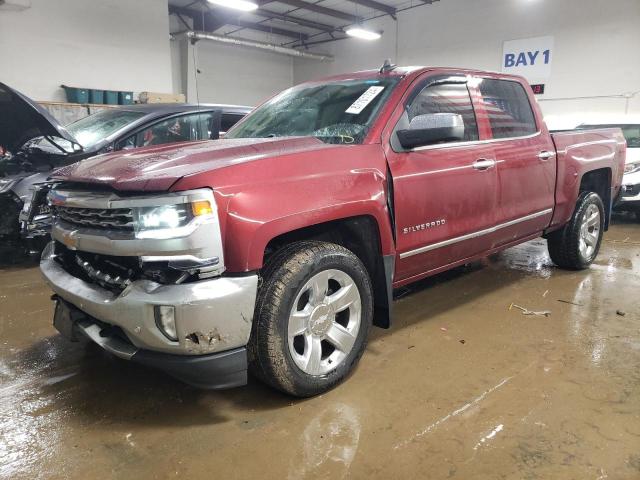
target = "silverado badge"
x: 424, y: 226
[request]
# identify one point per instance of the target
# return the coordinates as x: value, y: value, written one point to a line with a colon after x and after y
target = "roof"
x: 408, y: 70
x: 169, y: 108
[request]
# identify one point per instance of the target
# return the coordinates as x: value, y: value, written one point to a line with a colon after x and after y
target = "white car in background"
x: 629, y: 199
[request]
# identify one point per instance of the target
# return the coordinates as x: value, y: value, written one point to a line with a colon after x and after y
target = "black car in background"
x: 33, y: 144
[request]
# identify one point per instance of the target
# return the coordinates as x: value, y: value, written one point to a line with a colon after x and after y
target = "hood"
x: 22, y: 119
x: 158, y: 168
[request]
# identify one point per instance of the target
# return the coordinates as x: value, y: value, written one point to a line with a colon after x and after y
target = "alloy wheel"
x: 324, y: 322
x: 589, y: 232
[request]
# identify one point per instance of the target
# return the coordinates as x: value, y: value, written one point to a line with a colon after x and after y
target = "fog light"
x: 166, y: 321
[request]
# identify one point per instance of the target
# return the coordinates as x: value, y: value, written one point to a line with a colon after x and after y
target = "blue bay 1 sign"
x: 529, y: 57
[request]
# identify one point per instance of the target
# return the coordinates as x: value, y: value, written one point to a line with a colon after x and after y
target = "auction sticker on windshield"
x: 364, y: 100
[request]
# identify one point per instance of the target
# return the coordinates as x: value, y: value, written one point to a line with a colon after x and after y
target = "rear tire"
x: 313, y: 315
x: 576, y: 245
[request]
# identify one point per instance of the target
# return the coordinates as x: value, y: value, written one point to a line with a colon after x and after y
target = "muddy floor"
x: 461, y: 387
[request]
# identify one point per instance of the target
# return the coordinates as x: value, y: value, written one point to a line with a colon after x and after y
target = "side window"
x: 129, y: 142
x: 184, y: 128
x: 508, y: 108
x: 228, y: 121
x: 447, y: 98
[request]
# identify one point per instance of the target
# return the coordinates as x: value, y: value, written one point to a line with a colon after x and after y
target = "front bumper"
x: 215, y: 371
x: 211, y: 315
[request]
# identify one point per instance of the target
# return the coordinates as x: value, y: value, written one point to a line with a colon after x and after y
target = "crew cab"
x: 275, y: 249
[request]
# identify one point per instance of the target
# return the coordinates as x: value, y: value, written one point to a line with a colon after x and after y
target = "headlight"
x: 166, y: 216
x: 170, y: 221
x: 631, y: 167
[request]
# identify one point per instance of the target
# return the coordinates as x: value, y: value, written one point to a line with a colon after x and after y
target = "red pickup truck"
x: 276, y: 249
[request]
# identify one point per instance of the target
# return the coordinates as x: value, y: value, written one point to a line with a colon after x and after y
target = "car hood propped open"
x: 22, y: 119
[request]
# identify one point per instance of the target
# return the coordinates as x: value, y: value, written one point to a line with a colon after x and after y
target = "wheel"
x: 577, y: 244
x: 313, y: 315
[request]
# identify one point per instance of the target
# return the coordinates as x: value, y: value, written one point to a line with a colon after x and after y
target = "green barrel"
x: 125, y: 98
x: 76, y: 95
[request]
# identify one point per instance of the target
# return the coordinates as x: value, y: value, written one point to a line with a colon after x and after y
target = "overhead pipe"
x: 243, y: 42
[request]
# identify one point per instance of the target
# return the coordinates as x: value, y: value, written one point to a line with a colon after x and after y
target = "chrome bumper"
x: 211, y: 315
x: 630, y: 191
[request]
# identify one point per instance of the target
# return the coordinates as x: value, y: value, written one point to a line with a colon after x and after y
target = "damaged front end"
x: 147, y: 274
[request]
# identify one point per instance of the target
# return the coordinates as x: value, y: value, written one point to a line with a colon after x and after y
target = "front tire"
x: 314, y: 312
x: 576, y: 245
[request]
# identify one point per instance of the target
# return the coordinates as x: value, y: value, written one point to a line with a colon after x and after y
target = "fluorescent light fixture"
x: 363, y: 33
x: 244, y: 5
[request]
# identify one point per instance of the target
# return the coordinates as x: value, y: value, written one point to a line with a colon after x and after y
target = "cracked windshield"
x: 338, y: 112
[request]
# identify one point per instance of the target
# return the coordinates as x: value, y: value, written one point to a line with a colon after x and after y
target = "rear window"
x: 508, y: 108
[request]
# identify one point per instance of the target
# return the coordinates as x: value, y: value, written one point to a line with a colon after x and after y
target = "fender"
x: 260, y: 200
x: 252, y: 223
x: 580, y: 153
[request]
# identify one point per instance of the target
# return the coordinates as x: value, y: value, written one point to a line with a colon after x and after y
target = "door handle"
x: 546, y: 155
x: 483, y: 164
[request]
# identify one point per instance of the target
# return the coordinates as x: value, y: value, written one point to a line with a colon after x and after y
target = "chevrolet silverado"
x: 275, y: 249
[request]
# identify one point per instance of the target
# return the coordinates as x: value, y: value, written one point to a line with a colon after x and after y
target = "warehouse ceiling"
x: 291, y: 23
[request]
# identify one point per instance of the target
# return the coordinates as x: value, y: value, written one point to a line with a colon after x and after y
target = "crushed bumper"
x: 214, y: 371
x: 212, y: 315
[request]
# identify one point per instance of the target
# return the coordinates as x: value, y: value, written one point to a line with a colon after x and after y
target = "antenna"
x: 195, y: 70
x: 387, y: 66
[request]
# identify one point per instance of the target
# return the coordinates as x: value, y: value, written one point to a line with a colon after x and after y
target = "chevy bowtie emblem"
x: 424, y: 226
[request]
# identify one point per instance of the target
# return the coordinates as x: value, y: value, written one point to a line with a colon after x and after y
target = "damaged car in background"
x: 33, y: 144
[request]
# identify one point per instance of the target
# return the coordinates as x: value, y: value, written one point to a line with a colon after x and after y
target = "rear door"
x: 525, y: 157
x: 445, y: 195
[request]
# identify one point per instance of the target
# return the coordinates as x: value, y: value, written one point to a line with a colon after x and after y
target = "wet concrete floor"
x: 461, y: 387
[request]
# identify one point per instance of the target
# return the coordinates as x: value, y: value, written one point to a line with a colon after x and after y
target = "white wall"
x: 106, y: 44
x: 230, y: 74
x: 227, y: 74
x: 123, y: 44
x: 595, y: 53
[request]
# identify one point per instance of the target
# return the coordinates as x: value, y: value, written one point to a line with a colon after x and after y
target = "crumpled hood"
x: 22, y: 119
x: 158, y: 168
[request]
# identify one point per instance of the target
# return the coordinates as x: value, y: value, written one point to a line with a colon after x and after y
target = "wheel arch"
x: 599, y: 181
x: 360, y: 234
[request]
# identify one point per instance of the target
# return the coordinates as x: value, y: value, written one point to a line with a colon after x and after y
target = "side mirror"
x: 432, y: 128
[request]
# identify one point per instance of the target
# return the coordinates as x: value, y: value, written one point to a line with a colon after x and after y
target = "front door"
x: 445, y: 195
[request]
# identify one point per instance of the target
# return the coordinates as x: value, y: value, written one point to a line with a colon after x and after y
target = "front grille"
x: 116, y: 273
x: 110, y: 272
x: 97, y: 218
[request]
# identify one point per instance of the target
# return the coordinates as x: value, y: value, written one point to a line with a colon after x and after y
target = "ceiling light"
x: 244, y: 5
x: 363, y: 33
